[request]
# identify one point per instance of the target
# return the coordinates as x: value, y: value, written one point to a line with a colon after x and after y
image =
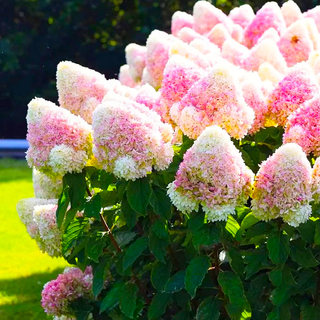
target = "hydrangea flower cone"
x: 136, y: 60
x: 298, y: 86
x: 60, y: 142
x: 242, y: 15
x: 80, y: 89
x: 282, y: 187
x: 290, y: 12
x: 212, y: 174
x: 46, y: 187
x: 216, y: 99
x: 130, y: 139
x: 303, y: 127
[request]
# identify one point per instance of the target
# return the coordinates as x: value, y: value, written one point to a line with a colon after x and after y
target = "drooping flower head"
x: 269, y: 16
x: 303, y: 127
x: 136, y: 59
x: 282, y: 186
x: 130, y: 139
x: 298, y: 86
x: 216, y: 99
x: 60, y: 141
x: 180, y: 20
x: 242, y: 15
x: 212, y: 174
x: 58, y: 294
x: 295, y: 44
x: 46, y: 187
x: 80, y: 89
x: 290, y: 12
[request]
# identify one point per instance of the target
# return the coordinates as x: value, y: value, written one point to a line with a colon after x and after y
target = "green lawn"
x: 23, y: 268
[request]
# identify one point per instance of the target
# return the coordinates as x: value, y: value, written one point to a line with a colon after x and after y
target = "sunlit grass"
x: 23, y: 268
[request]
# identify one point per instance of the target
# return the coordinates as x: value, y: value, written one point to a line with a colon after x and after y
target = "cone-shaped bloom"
x: 136, y: 59
x: 290, y: 12
x: 125, y: 77
x: 242, y: 15
x: 60, y: 141
x: 215, y: 99
x: 147, y: 95
x: 270, y: 33
x: 298, y: 86
x: 205, y: 47
x: 314, y: 14
x: 295, y: 44
x: 206, y: 16
x: 179, y: 75
x: 282, y: 186
x: 303, y: 127
x: 234, y: 52
x: 265, y: 51
x: 25, y: 209
x: 180, y: 20
x: 212, y: 174
x: 267, y: 72
x: 46, y: 187
x: 218, y: 34
x: 130, y: 139
x: 58, y: 294
x: 80, y: 89
x: 316, y: 181
x: 187, y: 34
x: 269, y: 16
x: 158, y: 45
x: 252, y: 89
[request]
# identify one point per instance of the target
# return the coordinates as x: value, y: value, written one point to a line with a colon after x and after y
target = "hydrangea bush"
x: 188, y: 188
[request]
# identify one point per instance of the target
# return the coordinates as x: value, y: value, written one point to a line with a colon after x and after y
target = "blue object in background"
x: 13, y: 148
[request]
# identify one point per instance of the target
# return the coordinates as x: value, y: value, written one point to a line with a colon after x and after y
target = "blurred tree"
x: 36, y: 34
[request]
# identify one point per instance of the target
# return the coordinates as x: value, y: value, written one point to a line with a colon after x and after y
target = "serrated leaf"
x: 94, y: 247
x: 176, y: 282
x: 133, y: 252
x: 124, y: 237
x: 209, y: 309
x: 63, y: 203
x: 160, y: 275
x: 278, y: 248
x: 92, y: 208
x: 128, y: 299
x: 138, y: 194
x: 112, y: 298
x: 195, y: 273
x: 160, y: 203
x: 158, y: 306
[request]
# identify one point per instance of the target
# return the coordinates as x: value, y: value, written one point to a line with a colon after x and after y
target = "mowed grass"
x: 23, y: 268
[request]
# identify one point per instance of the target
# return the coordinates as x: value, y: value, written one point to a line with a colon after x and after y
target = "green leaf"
x: 256, y: 260
x: 112, y: 298
x: 159, y: 228
x: 278, y: 248
x: 232, y: 226
x: 124, y: 237
x: 195, y: 273
x: 158, y: 306
x: 101, y: 179
x: 63, y: 203
x: 307, y: 231
x: 92, y: 208
x: 99, y: 276
x: 176, y: 282
x: 158, y: 246
x: 160, y: 275
x: 248, y: 221
x: 280, y: 295
x: 160, y: 203
x: 209, y: 309
x: 128, y: 299
x: 138, y: 194
x: 134, y: 251
x: 109, y: 198
x: 236, y: 260
x: 128, y: 213
x: 302, y: 255
x: 94, y: 247
x: 238, y: 307
x: 317, y: 232
x: 310, y: 312
x: 207, y: 235
x: 77, y: 188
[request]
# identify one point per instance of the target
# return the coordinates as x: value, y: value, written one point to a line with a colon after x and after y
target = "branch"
x: 112, y: 239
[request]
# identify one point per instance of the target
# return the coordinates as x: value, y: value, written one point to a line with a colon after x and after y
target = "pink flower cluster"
x: 282, y: 187
x: 130, y: 139
x: 60, y: 142
x: 39, y: 217
x: 69, y: 286
x: 212, y: 174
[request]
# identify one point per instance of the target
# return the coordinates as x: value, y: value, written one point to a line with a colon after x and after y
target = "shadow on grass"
x: 23, y: 296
